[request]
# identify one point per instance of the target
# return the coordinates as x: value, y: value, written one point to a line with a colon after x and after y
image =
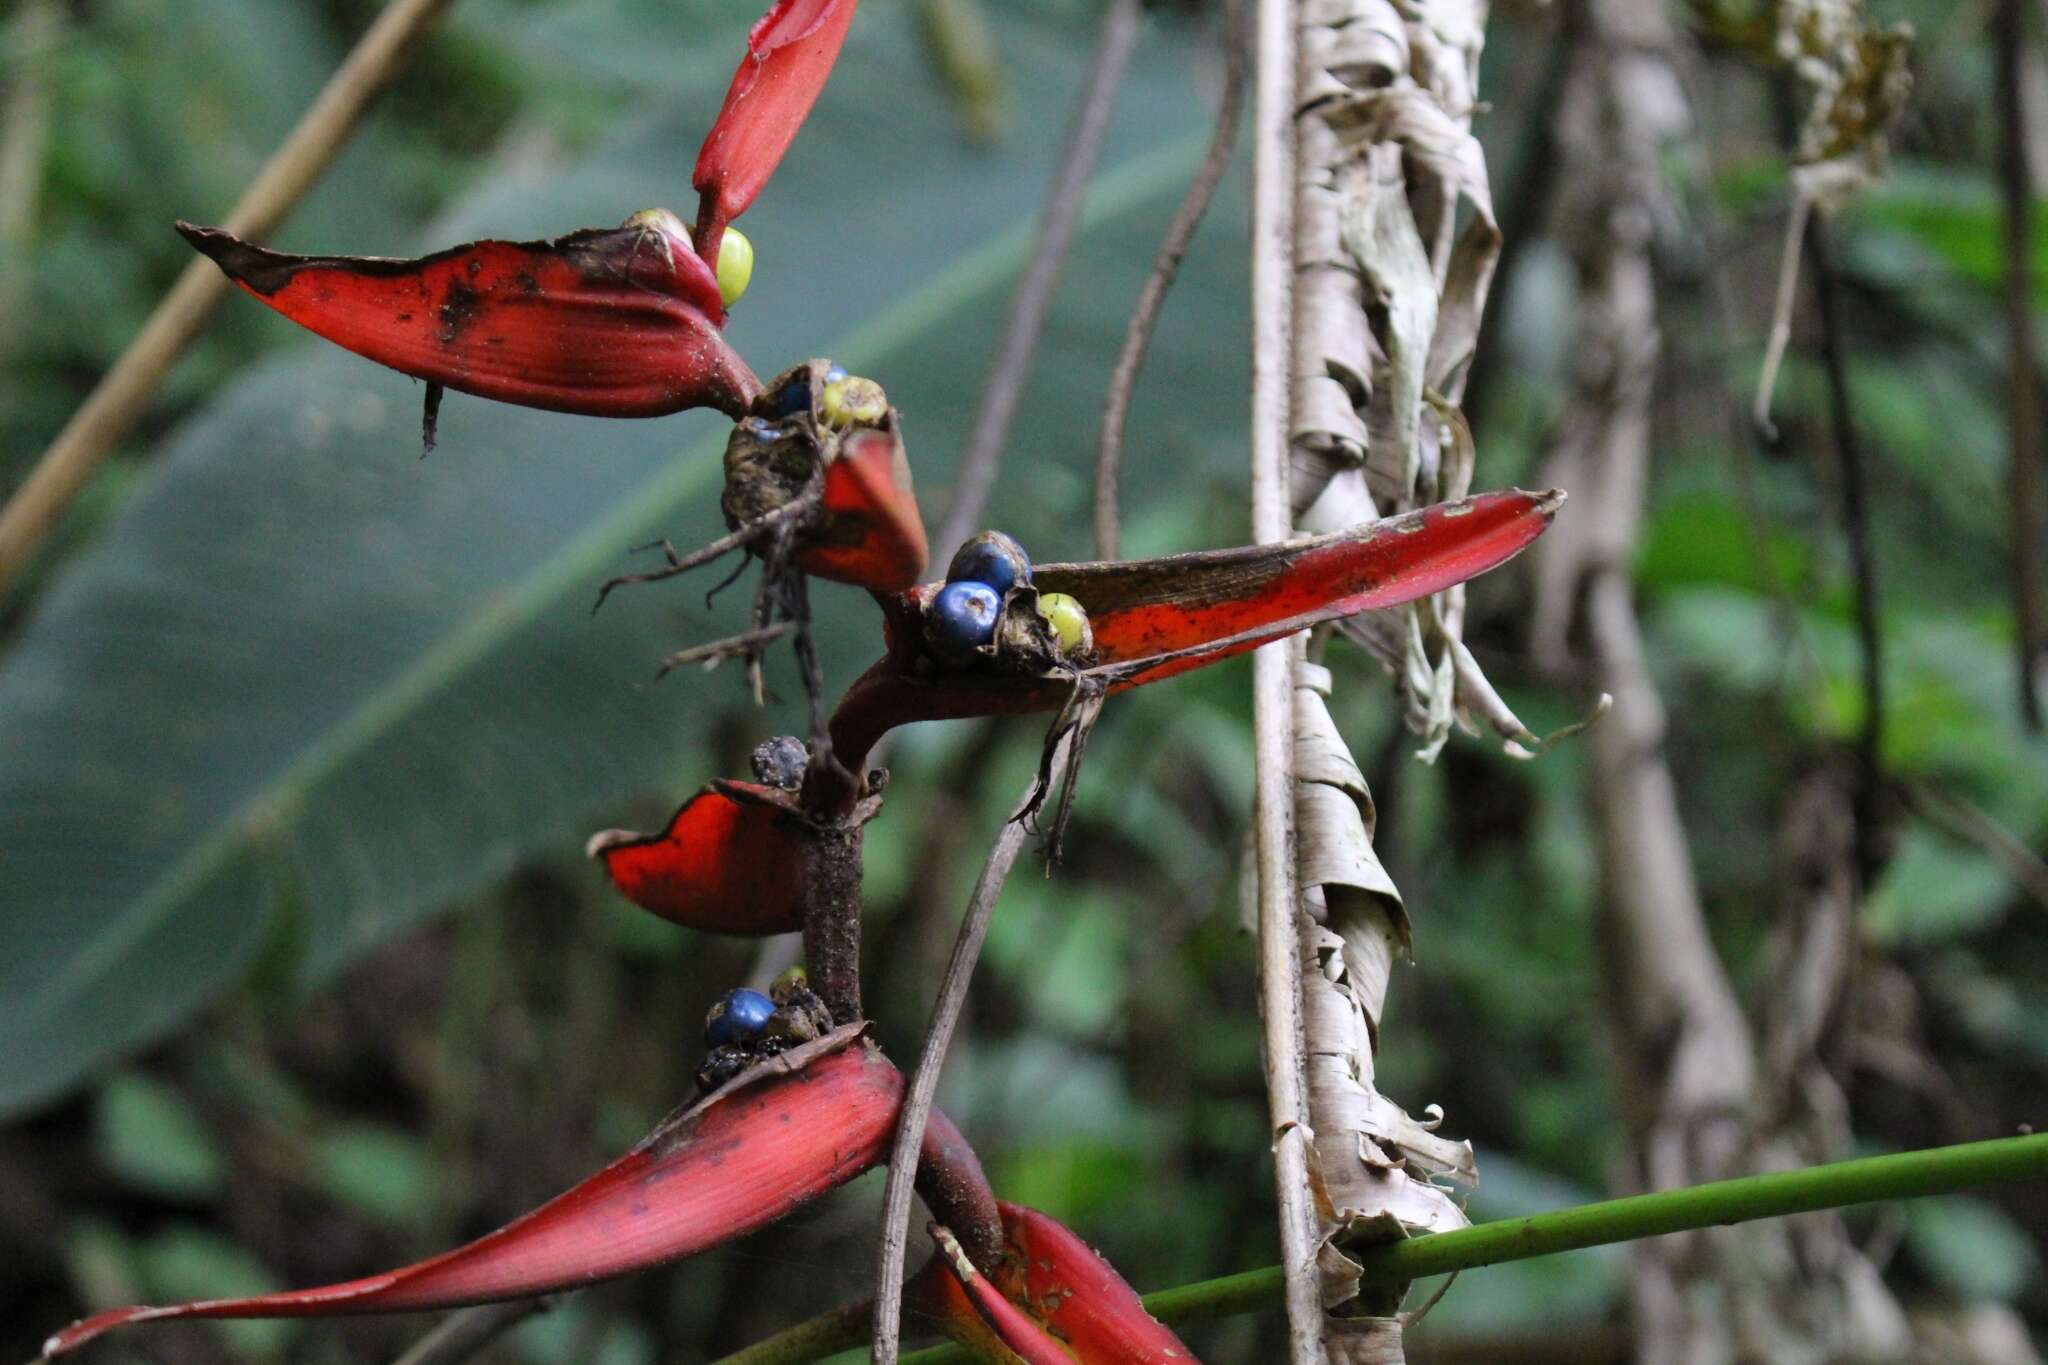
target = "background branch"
x: 118, y: 399
x: 1165, y: 266
x: 1011, y: 368
x: 2023, y: 389
x: 924, y: 1081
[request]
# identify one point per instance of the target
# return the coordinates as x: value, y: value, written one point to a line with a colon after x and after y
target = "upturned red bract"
x: 787, y: 1130
x: 1156, y: 618
x: 729, y: 862
x: 870, y: 534
x: 611, y: 322
x: 790, y: 52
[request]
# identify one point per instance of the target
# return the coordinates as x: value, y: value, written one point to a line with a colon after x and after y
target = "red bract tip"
x: 730, y: 862
x: 790, y: 52
x: 1078, y: 1295
x: 613, y: 322
x: 1046, y: 1285
x: 791, y: 1128
x: 1155, y: 618
x: 1024, y: 1339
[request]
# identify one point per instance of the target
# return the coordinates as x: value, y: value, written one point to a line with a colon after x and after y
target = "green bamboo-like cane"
x: 1904, y: 1175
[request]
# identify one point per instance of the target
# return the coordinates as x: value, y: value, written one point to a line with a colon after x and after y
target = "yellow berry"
x: 1068, y: 618
x: 853, y: 399
x: 735, y: 265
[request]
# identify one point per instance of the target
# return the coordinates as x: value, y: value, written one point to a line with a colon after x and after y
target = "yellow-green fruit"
x: 1069, y: 620
x: 853, y: 399
x: 735, y: 265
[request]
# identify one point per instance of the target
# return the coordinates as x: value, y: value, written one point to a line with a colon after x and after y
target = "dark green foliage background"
x: 300, y: 974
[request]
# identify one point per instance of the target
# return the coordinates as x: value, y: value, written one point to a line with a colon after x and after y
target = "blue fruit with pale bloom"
x: 992, y: 558
x: 739, y: 1015
x: 963, y: 618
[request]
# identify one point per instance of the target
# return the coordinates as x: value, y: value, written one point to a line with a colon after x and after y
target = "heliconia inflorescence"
x: 606, y: 322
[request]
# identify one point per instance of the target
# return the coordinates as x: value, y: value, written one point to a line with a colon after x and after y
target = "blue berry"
x: 795, y: 398
x: 739, y: 1015
x: 963, y: 618
x: 992, y: 558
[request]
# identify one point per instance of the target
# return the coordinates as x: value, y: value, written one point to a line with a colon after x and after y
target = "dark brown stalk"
x: 2023, y: 392
x: 924, y: 1082
x: 1862, y: 564
x: 1165, y: 266
x: 1033, y: 296
x: 832, y: 906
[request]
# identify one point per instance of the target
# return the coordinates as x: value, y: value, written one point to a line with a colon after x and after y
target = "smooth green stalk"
x: 1906, y: 1175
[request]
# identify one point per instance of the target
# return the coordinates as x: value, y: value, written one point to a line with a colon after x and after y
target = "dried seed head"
x: 767, y: 464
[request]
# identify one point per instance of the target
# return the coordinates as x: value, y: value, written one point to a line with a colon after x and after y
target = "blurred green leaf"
x: 306, y: 666
x: 188, y: 1261
x: 379, y: 1171
x: 1971, y: 1246
x: 1933, y: 890
x: 148, y: 1136
x: 1955, y: 213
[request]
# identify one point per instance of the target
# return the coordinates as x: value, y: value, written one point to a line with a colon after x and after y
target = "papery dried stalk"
x: 1387, y: 299
x: 1390, y: 296
x: 1374, y: 1164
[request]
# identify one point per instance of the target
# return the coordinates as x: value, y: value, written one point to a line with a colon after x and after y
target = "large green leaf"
x: 308, y: 688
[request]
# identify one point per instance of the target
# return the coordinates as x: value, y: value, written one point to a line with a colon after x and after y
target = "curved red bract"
x: 1078, y: 1296
x: 615, y: 322
x: 871, y: 535
x: 1156, y: 618
x: 790, y: 52
x: 1047, y: 1285
x: 797, y: 1126
x: 1021, y: 1338
x: 724, y: 864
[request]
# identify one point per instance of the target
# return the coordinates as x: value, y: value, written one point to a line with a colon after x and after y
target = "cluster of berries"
x: 745, y: 1026
x: 843, y: 400
x: 989, y: 611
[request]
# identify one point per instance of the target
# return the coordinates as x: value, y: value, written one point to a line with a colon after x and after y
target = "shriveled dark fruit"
x: 780, y: 762
x: 721, y: 1064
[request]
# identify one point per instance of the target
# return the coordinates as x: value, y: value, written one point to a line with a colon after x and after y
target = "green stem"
x: 1905, y: 1175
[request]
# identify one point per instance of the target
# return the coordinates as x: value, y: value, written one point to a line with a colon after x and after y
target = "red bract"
x: 1078, y: 1296
x: 1022, y: 1338
x: 613, y: 322
x: 1154, y: 618
x: 730, y: 862
x: 790, y: 52
x: 791, y: 1128
x: 870, y: 534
